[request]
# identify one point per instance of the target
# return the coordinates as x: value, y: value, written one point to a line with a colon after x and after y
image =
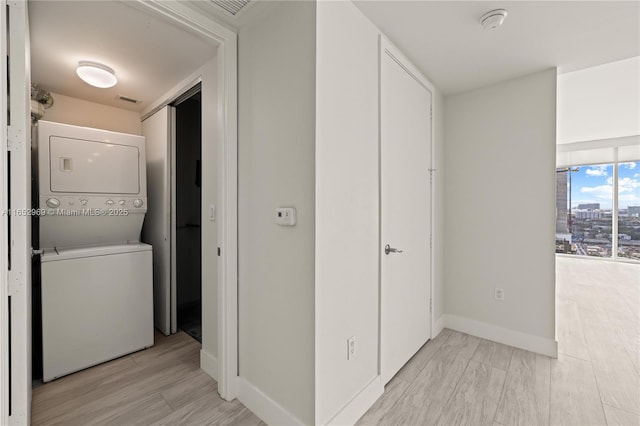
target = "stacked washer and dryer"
x: 97, y: 284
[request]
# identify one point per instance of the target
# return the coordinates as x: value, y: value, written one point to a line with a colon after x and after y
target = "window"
x: 598, y: 210
x: 629, y: 210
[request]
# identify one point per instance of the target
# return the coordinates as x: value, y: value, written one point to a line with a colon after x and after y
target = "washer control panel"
x: 64, y: 204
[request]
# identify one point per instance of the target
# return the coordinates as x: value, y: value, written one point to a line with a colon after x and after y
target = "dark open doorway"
x: 188, y: 215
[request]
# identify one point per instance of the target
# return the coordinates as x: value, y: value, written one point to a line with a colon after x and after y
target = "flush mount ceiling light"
x: 493, y: 19
x: 96, y: 74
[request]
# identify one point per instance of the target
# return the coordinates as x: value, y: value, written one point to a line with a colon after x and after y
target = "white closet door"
x: 405, y: 215
x: 158, y: 229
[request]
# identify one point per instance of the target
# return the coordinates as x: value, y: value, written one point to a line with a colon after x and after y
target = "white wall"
x: 500, y: 209
x: 79, y: 112
x: 601, y: 102
x: 289, y: 309
x: 276, y: 169
x: 347, y: 197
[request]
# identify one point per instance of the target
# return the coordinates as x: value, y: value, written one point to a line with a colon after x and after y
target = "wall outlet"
x: 351, y: 348
x: 499, y: 293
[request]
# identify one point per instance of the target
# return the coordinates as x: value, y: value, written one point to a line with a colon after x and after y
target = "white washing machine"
x: 97, y: 305
x: 97, y: 283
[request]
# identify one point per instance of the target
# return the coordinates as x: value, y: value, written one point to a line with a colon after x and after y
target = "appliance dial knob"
x: 137, y: 203
x: 84, y: 202
x: 109, y: 202
x: 53, y: 203
x: 121, y: 202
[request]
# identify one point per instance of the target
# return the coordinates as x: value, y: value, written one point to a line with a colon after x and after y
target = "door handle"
x: 388, y: 249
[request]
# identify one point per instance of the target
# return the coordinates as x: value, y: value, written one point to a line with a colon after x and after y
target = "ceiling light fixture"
x: 493, y: 19
x: 96, y: 74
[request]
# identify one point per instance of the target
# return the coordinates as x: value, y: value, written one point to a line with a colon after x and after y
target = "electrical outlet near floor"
x: 351, y: 348
x: 499, y: 293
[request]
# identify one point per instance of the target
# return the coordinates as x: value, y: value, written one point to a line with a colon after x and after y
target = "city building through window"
x: 598, y: 210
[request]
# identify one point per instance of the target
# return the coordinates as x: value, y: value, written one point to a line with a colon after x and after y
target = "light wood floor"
x: 455, y: 379
x: 162, y: 385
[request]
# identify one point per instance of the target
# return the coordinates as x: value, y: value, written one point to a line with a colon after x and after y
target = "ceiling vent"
x: 128, y: 99
x: 232, y: 7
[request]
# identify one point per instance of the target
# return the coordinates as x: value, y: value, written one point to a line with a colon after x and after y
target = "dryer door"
x: 83, y: 166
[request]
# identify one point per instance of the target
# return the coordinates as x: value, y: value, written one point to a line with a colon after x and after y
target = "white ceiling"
x: 446, y: 41
x: 150, y: 55
x: 443, y: 38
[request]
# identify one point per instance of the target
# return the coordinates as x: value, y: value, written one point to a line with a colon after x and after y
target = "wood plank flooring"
x: 162, y: 385
x: 455, y: 379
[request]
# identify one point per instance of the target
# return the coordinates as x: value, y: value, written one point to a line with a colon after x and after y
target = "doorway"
x: 173, y: 225
x: 188, y: 196
x: 15, y: 378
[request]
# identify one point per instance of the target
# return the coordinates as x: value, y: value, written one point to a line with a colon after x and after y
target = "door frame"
x: 388, y: 48
x: 4, y: 315
x: 4, y: 237
x: 15, y: 308
x: 226, y: 371
x: 18, y: 280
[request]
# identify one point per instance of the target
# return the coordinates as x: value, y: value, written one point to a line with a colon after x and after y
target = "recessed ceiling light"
x: 96, y: 74
x: 493, y: 19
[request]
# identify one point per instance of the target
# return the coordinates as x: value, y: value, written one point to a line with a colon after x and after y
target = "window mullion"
x: 615, y: 208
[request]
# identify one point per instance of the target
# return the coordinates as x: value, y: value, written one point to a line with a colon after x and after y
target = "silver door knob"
x: 388, y: 249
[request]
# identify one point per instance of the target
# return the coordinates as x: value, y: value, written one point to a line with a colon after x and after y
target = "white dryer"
x: 97, y: 284
x: 92, y: 186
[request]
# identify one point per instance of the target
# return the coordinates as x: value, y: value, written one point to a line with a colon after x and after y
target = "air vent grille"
x: 231, y: 6
x: 128, y: 99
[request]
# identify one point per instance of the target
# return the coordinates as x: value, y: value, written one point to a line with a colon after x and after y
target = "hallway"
x: 454, y: 379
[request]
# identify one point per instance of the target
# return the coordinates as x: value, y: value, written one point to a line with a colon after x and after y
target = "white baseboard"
x: 437, y: 328
x: 503, y: 335
x: 351, y: 413
x: 264, y: 407
x: 209, y: 364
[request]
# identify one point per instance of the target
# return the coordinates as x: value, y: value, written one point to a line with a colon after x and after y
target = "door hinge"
x: 14, y: 139
x: 15, y: 283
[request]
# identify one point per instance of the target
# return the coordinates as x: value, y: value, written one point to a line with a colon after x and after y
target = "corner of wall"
x: 506, y: 336
x: 209, y: 364
x: 263, y: 406
x: 439, y: 220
